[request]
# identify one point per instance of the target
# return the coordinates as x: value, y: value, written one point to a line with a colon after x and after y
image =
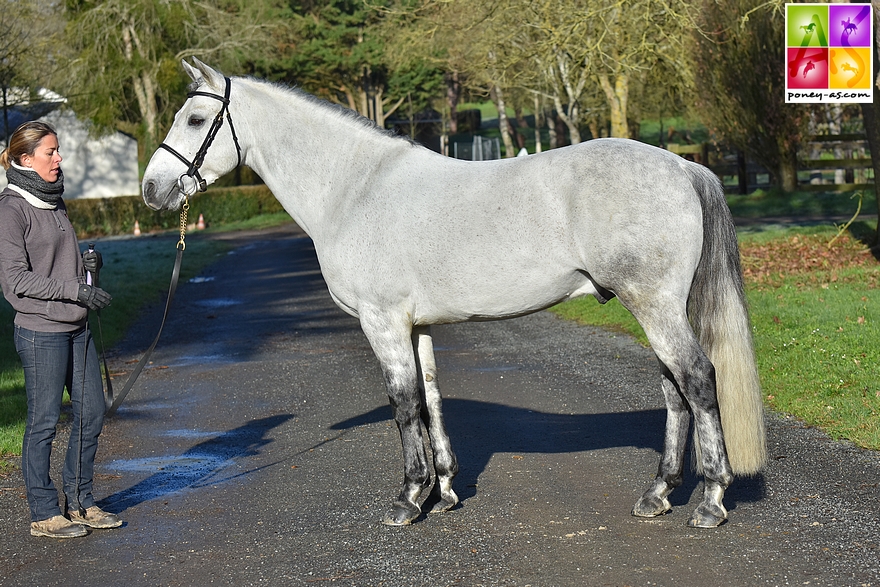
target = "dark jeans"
x: 51, y: 361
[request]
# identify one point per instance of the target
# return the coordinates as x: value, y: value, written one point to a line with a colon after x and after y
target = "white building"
x: 102, y: 167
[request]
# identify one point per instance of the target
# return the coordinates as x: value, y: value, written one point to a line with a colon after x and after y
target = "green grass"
x: 815, y: 338
x: 137, y: 273
x: 611, y: 316
x: 818, y: 356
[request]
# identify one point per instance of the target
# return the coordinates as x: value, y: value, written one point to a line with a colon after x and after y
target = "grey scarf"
x: 30, y: 181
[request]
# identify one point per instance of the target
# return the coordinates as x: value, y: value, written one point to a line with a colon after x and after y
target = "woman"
x: 43, y: 278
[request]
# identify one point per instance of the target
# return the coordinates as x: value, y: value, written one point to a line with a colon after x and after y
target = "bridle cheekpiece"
x: 198, y: 184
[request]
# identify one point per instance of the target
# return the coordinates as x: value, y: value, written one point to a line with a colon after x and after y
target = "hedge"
x: 94, y: 217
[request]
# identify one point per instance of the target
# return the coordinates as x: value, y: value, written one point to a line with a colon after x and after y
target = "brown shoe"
x: 58, y: 527
x: 95, y: 518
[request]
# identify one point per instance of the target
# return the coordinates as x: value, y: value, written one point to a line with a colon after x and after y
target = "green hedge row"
x: 96, y: 217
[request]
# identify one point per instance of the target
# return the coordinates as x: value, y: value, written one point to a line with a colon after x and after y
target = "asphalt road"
x: 257, y: 450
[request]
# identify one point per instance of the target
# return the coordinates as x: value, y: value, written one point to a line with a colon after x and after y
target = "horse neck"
x: 308, y: 154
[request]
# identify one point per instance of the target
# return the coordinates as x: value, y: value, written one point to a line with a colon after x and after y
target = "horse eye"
x: 196, y: 122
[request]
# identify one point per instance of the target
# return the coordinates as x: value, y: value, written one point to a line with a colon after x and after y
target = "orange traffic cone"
x: 201, y: 223
x: 137, y: 228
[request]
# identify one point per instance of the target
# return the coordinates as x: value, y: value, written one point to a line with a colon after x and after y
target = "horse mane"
x: 336, y: 110
x: 339, y: 110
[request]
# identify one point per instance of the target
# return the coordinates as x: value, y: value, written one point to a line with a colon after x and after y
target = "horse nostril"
x: 149, y: 189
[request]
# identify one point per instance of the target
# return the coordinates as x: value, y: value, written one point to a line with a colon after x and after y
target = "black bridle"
x: 193, y: 167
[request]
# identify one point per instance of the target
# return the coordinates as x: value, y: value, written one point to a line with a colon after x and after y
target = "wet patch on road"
x: 208, y: 463
x: 217, y: 303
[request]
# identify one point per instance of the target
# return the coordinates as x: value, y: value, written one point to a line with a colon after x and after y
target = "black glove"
x: 92, y: 261
x: 93, y: 297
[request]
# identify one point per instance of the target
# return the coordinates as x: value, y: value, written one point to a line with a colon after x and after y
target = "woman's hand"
x: 94, y: 298
x: 92, y: 261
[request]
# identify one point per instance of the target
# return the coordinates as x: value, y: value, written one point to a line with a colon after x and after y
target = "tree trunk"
x: 551, y: 130
x: 379, y: 109
x: 617, y: 101
x: 503, y: 123
x: 453, y: 95
x: 871, y: 117
x: 574, y: 132
x: 521, y: 124
x: 594, y: 128
x: 143, y: 88
x: 538, y: 124
x: 788, y: 172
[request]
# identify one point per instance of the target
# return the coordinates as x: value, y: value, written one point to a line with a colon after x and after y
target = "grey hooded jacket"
x: 40, y: 265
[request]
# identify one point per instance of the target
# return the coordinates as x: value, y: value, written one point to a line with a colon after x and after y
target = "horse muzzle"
x: 170, y: 200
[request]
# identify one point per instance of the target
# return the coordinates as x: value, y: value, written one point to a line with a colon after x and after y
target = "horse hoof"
x: 707, y: 517
x: 401, y: 515
x: 651, y: 507
x: 444, y: 505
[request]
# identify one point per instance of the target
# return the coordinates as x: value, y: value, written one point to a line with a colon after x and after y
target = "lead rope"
x: 114, y: 403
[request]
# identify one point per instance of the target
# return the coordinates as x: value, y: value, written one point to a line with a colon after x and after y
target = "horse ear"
x: 191, y: 71
x: 213, y: 78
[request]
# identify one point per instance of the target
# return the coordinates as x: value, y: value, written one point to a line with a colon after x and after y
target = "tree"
x: 27, y: 28
x: 125, y: 66
x: 740, y: 69
x: 871, y: 117
x: 344, y: 51
x: 588, y: 60
x: 593, y: 59
x: 462, y: 38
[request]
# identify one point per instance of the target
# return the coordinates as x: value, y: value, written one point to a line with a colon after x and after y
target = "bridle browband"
x: 193, y: 167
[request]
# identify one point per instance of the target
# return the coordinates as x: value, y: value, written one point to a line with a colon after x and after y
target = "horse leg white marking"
x: 445, y: 463
x: 389, y: 334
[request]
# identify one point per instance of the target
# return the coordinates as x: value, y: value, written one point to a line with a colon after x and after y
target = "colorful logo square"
x: 829, y: 53
x: 808, y: 68
x: 850, y: 68
x: 849, y: 25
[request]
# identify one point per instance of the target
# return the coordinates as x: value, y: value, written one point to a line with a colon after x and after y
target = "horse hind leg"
x: 689, y: 372
x: 389, y: 336
x: 442, y: 497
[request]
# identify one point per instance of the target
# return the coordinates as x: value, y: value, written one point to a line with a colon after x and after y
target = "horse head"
x: 179, y: 167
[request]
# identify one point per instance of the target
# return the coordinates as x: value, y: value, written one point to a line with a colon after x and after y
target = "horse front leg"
x: 390, y: 338
x: 445, y: 464
x: 654, y: 502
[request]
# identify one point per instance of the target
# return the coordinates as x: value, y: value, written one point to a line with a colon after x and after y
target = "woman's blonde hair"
x: 24, y: 141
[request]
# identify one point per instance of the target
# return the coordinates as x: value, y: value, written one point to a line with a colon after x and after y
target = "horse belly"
x: 493, y: 294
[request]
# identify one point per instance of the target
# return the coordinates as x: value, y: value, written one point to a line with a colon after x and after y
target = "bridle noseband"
x: 199, y: 184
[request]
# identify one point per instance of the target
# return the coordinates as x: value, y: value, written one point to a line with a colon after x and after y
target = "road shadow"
x: 478, y: 430
x: 201, y: 465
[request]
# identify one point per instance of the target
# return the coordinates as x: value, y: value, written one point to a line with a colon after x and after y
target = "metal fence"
x: 480, y: 149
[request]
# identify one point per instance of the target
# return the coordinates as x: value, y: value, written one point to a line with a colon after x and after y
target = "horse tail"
x: 718, y: 312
